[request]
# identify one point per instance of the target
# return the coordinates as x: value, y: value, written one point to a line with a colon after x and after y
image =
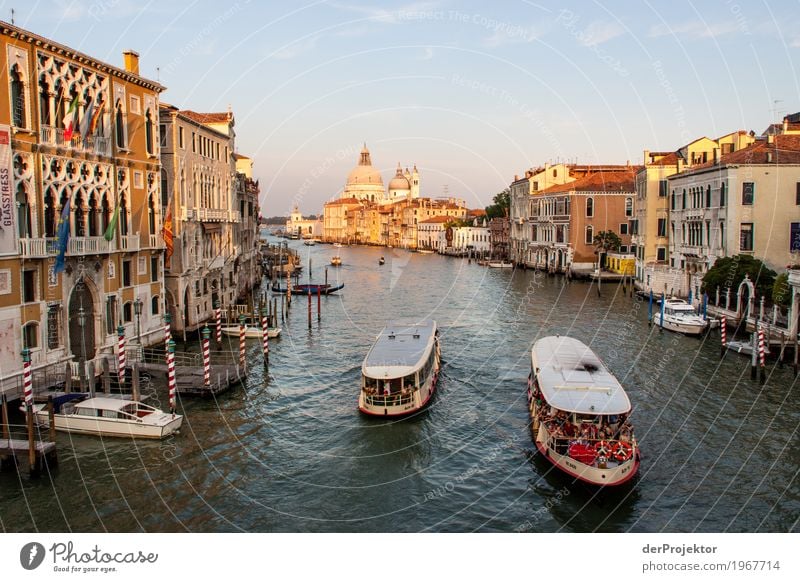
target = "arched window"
x: 44, y: 102
x: 151, y: 214
x: 589, y: 207
x: 93, y: 215
x: 19, y: 115
x: 123, y: 216
x: 30, y: 335
x: 49, y: 213
x: 58, y: 121
x: 106, y: 213
x: 154, y: 306
x: 23, y: 213
x: 119, y: 126
x: 722, y: 199
x: 164, y: 189
x: 127, y: 312
x: 80, y: 215
x: 589, y: 235
x: 148, y: 132
x: 629, y: 207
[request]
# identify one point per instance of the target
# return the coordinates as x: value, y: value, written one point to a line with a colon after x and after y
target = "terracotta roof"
x: 666, y: 159
x: 437, y: 219
x: 477, y: 212
x: 223, y: 117
x: 240, y: 157
x: 343, y: 201
x: 606, y: 181
x: 785, y: 149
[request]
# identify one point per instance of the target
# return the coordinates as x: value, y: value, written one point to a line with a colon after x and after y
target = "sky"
x: 471, y: 92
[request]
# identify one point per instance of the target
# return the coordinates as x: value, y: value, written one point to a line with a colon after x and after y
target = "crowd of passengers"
x: 561, y: 425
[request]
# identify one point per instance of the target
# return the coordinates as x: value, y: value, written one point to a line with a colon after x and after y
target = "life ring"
x: 622, y: 451
x: 602, y: 449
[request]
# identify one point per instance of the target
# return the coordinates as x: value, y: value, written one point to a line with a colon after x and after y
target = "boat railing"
x: 398, y: 399
x: 562, y: 444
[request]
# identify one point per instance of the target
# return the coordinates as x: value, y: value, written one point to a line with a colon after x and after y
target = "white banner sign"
x: 8, y: 230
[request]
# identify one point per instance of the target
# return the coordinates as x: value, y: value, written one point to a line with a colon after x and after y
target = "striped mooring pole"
x: 242, y: 343
x: 762, y: 358
x: 121, y: 365
x: 167, y: 335
x: 723, y: 333
x: 265, y: 333
x: 27, y: 383
x: 171, y: 382
x: 218, y: 314
x: 206, y: 357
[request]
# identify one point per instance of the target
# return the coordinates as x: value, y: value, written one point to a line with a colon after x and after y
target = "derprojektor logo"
x: 31, y: 555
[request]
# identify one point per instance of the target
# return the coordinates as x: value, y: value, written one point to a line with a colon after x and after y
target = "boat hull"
x: 591, y: 475
x: 158, y: 428
x: 680, y: 327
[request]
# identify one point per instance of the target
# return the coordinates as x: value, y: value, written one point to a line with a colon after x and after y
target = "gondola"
x: 306, y: 288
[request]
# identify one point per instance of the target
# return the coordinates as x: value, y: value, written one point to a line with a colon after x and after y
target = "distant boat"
x: 310, y: 242
x: 338, y: 245
x: 425, y: 251
x: 381, y: 261
x: 400, y: 371
x: 110, y: 417
x: 500, y: 265
x: 252, y: 331
x: 336, y: 261
x: 312, y: 288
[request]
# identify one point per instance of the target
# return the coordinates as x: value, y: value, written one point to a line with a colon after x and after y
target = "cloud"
x: 296, y: 49
x: 694, y: 29
x: 599, y: 32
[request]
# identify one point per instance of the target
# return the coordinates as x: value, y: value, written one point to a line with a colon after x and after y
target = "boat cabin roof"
x: 400, y: 349
x: 573, y: 379
x: 104, y: 403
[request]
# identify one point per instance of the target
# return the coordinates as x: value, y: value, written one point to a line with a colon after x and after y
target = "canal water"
x: 290, y: 452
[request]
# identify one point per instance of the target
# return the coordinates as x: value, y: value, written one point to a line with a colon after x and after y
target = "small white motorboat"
x: 744, y: 348
x: 681, y: 317
x: 110, y: 417
x: 425, y: 251
x: 500, y: 265
x: 252, y: 331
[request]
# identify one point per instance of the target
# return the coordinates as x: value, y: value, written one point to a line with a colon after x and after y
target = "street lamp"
x: 137, y: 308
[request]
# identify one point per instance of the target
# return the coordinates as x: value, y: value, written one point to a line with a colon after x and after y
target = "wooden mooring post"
x: 309, y: 308
x: 4, y: 404
x: 135, y: 393
x: 106, y: 377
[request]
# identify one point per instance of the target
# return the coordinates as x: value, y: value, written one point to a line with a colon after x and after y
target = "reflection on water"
x: 290, y: 452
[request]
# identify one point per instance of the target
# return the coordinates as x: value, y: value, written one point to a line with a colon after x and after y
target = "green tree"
x: 605, y: 241
x: 502, y: 202
x: 729, y: 272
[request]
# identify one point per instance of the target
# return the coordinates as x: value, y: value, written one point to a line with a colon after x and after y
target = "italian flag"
x: 72, y: 113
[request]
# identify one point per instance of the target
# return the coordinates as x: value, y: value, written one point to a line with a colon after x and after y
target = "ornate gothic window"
x: 19, y: 114
x: 123, y: 216
x: 23, y: 212
x: 148, y: 132
x: 119, y: 126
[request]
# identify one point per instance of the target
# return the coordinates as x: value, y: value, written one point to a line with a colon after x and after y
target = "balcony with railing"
x: 155, y: 242
x: 38, y: 248
x: 94, y: 144
x: 188, y: 214
x: 129, y: 243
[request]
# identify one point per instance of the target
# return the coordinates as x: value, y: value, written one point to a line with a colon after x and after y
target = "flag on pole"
x: 86, y: 121
x: 167, y: 234
x: 63, y: 238
x: 112, y: 225
x: 73, y: 112
x: 98, y: 113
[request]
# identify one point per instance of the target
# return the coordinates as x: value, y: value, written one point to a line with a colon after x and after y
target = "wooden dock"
x: 35, y: 455
x: 189, y: 373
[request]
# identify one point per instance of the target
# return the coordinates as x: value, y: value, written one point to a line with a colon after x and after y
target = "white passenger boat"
x: 681, y: 317
x: 400, y: 371
x: 110, y: 417
x: 579, y: 413
x: 500, y: 265
x: 251, y: 331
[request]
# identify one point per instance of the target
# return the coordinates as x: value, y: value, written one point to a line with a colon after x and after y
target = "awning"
x: 212, y: 227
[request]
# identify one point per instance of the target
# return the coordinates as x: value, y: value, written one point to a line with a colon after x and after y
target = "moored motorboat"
x: 679, y: 316
x: 251, y: 331
x: 579, y: 413
x: 425, y: 251
x: 400, y: 371
x: 110, y: 417
x: 500, y: 264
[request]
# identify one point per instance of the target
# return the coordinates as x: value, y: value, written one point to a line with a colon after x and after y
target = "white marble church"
x: 364, y: 183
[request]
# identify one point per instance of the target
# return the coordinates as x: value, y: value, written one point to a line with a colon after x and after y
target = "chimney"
x: 771, y: 138
x: 131, y: 58
x: 680, y: 164
x: 716, y: 155
x: 516, y: 177
x: 646, y: 155
x: 785, y: 124
x: 769, y: 157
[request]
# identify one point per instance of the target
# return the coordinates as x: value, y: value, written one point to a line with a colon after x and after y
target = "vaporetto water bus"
x: 579, y: 413
x: 400, y: 371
